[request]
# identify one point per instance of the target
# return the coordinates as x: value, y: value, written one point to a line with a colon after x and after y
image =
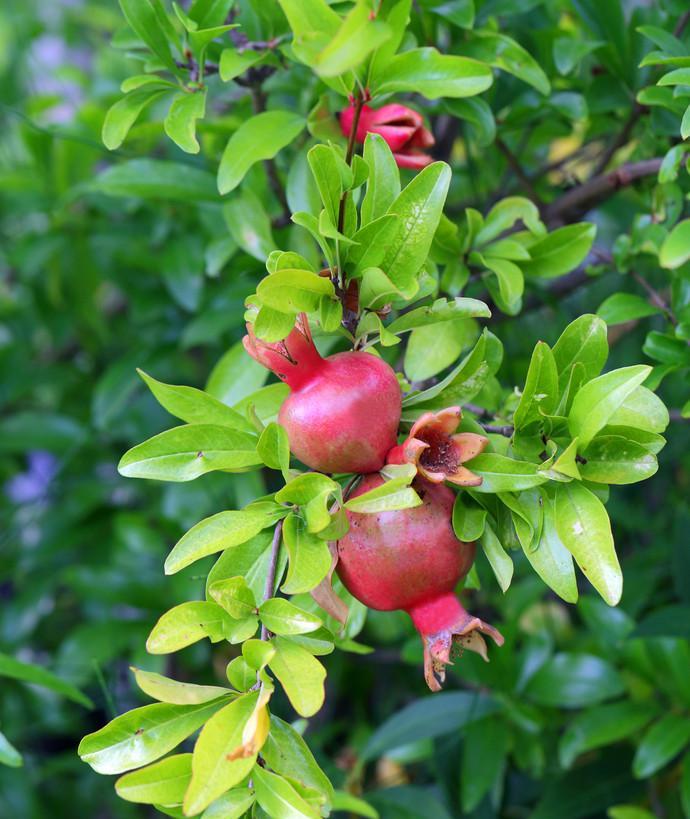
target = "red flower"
x: 401, y: 127
x: 437, y: 453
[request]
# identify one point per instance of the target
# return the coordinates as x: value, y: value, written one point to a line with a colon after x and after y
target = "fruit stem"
x: 358, y: 103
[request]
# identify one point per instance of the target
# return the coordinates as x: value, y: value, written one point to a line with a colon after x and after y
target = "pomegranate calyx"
x: 437, y: 452
x: 294, y: 360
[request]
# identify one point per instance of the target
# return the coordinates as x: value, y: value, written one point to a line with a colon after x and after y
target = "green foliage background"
x: 586, y: 708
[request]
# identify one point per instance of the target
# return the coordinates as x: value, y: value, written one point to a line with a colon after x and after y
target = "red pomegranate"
x: 411, y: 559
x: 343, y: 411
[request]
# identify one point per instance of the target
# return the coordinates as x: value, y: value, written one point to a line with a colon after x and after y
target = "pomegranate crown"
x: 294, y: 359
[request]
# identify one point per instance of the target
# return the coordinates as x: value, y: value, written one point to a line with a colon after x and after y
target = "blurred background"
x: 91, y: 287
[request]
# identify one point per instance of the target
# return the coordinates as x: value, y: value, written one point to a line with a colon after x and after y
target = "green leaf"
x: 310, y: 557
x: 313, y: 24
x: 278, y: 798
x: 250, y: 224
x: 282, y: 617
x: 662, y: 742
x: 485, y: 746
x: 186, y: 452
x: 504, y: 214
x: 235, y: 376
x: 503, y: 474
x: 124, y: 113
x: 274, y: 447
x: 509, y: 285
x: 431, y: 74
x: 164, y: 689
x: 186, y: 624
x: 583, y: 341
x: 180, y: 123
x: 234, y: 595
x: 621, y: 307
x: 383, y: 184
x: 440, y: 310
x: 389, y: 496
x: 675, y: 250
x: 222, y: 531
x: 503, y: 52
x: 233, y: 63
x: 540, y: 395
x: 272, y: 325
x: 194, y: 406
x: 306, y: 487
x: 343, y: 801
x: 288, y: 754
x: 602, y: 725
x: 469, y: 518
x: 157, y: 179
x: 574, y: 681
x: 36, y: 675
x: 260, y: 137
x: 667, y: 349
x: 478, y: 113
x: 585, y: 530
x: 458, y: 387
x: 419, y: 207
x: 231, y: 805
x: 164, y: 782
x: 148, y: 20
x: 597, y: 401
x: 332, y: 175
x: 9, y: 755
x: 498, y: 558
x: 551, y: 560
x: 214, y: 767
x: 613, y: 459
x: 356, y: 38
x: 301, y: 675
x: 562, y: 250
x: 250, y: 560
x: 143, y: 735
x: 294, y: 291
x: 445, y: 713
x: 643, y: 410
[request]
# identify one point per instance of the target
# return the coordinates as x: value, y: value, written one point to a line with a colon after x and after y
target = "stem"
x: 269, y: 588
x: 359, y: 105
x: 519, y: 173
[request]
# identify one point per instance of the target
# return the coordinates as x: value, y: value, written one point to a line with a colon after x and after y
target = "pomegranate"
x: 343, y: 411
x: 411, y: 559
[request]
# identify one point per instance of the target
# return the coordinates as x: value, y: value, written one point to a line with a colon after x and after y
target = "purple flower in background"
x: 33, y: 484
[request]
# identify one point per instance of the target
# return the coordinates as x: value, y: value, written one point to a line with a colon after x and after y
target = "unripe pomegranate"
x: 410, y: 559
x: 343, y: 411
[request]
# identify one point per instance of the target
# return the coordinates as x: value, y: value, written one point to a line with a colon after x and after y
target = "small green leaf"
x: 584, y: 341
x: 157, y: 179
x: 143, y: 735
x: 233, y: 63
x: 551, y: 560
x: 309, y: 556
x: 274, y: 447
x: 597, y: 401
x: 503, y: 474
x: 621, y: 307
x: 36, y: 675
x: 562, y: 250
x: 675, y: 250
x: 503, y: 52
x: 260, y: 137
x: 356, y: 38
x: 180, y: 123
x: 612, y: 459
x: 278, y: 798
x: 294, y: 291
x: 643, y: 410
x: 574, y: 681
x: 164, y: 782
x: 186, y: 452
x: 231, y: 805
x: 186, y: 624
x: 125, y: 112
x: 389, y: 496
x: 469, y: 518
x: 222, y: 531
x: 282, y: 617
x: 485, y: 745
x: 164, y: 689
x: 662, y: 742
x: 9, y: 755
x: 383, y: 184
x: 306, y: 487
x: 584, y: 528
x: 504, y: 214
x: 441, y: 310
x: 540, y: 395
x: 498, y: 558
x: 215, y: 769
x: 148, y: 20
x: 234, y: 595
x: 301, y: 675
x: 431, y: 74
x: 194, y: 406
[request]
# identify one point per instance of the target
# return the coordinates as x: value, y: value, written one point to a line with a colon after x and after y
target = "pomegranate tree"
x: 410, y: 559
x: 343, y: 411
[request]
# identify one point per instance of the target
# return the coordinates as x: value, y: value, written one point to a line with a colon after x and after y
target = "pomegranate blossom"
x: 343, y: 411
x: 410, y: 559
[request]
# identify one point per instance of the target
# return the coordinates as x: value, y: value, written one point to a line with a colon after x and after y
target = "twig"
x: 621, y: 139
x: 351, y: 140
x: 677, y: 415
x: 518, y: 171
x: 582, y: 198
x: 480, y: 412
x: 269, y: 587
x: 506, y: 429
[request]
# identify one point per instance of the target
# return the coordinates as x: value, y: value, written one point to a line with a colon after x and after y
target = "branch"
x: 576, y: 202
x: 518, y: 171
x: 621, y: 139
x: 269, y: 587
x: 480, y: 412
